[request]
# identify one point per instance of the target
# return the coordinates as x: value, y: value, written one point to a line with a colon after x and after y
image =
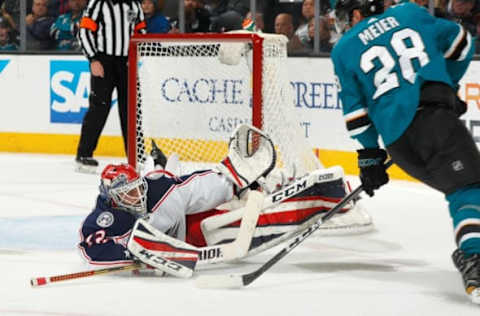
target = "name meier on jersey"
x: 377, y: 28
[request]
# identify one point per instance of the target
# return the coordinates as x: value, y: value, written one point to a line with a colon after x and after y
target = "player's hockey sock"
x: 465, y: 212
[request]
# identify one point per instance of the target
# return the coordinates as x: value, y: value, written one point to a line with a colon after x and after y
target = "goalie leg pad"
x: 162, y: 252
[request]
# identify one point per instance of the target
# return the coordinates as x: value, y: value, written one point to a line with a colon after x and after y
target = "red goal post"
x: 260, y: 75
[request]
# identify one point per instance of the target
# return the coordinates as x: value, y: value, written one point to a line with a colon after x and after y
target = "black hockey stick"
x: 236, y: 281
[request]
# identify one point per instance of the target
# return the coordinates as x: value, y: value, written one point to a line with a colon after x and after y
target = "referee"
x: 105, y: 31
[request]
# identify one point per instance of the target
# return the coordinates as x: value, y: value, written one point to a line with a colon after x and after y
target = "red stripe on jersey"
x: 158, y: 246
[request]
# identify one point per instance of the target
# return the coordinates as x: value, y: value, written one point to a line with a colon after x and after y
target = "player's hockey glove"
x: 373, y: 173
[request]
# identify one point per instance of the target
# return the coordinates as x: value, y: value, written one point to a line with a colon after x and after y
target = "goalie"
x: 171, y: 222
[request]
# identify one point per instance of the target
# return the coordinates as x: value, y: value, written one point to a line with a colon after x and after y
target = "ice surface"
x: 402, y: 268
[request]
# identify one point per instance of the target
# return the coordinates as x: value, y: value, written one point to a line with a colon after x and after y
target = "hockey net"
x: 188, y: 92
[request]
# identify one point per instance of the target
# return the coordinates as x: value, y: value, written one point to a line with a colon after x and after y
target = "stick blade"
x: 223, y: 281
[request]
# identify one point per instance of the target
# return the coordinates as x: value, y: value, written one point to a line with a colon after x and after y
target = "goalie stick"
x: 35, y: 282
x: 238, y: 281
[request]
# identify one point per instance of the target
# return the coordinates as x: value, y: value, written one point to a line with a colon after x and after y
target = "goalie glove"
x: 251, y: 155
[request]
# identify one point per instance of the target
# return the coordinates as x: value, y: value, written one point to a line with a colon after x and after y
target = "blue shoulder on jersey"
x: 160, y: 182
x: 104, y: 234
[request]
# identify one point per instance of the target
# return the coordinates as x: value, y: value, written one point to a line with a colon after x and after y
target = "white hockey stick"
x: 240, y: 246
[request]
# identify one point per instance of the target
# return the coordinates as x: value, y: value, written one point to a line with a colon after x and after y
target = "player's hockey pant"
x: 100, y: 101
x: 439, y: 150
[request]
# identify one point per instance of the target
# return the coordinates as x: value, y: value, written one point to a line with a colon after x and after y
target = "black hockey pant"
x: 438, y: 150
x: 115, y: 76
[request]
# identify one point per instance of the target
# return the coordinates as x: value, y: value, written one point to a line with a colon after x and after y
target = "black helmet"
x: 344, y: 9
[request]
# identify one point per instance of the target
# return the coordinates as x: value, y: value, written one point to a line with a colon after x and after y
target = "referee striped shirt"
x: 107, y: 25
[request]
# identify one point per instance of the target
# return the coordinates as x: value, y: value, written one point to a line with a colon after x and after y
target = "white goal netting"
x: 189, y: 91
x: 190, y: 99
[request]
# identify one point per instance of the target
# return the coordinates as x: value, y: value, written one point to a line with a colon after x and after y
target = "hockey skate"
x: 469, y: 267
x: 86, y: 165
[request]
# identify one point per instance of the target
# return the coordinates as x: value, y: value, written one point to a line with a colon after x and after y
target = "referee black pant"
x: 100, y: 100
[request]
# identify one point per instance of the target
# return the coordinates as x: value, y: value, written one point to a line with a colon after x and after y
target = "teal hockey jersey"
x: 382, y: 62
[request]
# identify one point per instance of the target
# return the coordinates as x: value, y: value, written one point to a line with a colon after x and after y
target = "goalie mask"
x: 344, y: 11
x: 124, y: 186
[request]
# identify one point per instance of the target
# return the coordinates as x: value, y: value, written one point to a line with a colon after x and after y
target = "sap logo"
x: 69, y: 90
x: 3, y: 64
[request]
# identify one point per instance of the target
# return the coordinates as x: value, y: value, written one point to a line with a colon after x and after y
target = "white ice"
x: 402, y: 268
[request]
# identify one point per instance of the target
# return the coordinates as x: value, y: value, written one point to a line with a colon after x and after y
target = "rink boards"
x: 46, y: 97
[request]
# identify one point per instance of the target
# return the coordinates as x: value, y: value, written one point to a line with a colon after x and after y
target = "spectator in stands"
x: 10, y: 10
x: 156, y: 22
x: 284, y: 25
x: 218, y: 7
x: 227, y: 15
x: 197, y: 18
x: 308, y: 12
x: 64, y: 30
x: 228, y: 21
x: 272, y: 8
x: 6, y: 43
x: 465, y: 12
x: 38, y: 27
x: 324, y: 34
x: 10, y: 15
x: 169, y: 8
x: 58, y: 7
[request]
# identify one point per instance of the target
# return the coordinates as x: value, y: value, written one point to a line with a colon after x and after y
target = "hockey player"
x: 191, y: 209
x: 401, y: 84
